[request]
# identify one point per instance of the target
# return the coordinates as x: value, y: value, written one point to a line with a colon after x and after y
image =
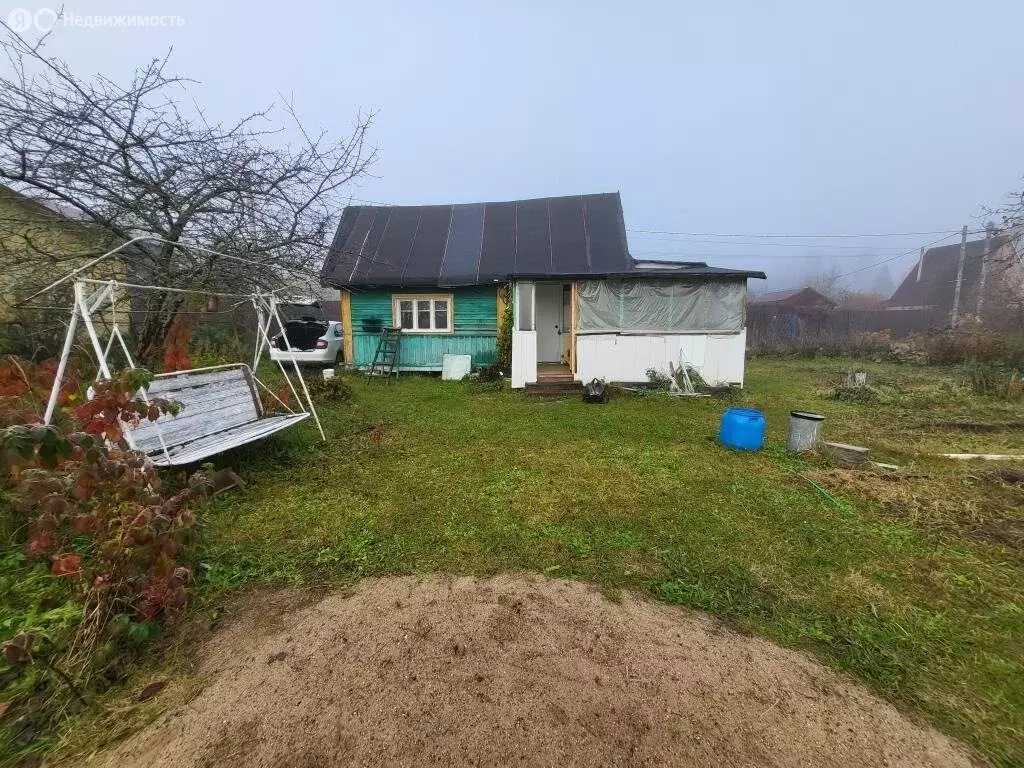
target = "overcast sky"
x: 729, y: 117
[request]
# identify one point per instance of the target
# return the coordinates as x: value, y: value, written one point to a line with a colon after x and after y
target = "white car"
x: 313, y: 341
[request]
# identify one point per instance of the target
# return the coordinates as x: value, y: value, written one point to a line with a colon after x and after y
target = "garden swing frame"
x: 238, y: 417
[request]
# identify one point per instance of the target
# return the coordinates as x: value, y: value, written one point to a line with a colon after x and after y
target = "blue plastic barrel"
x: 742, y: 429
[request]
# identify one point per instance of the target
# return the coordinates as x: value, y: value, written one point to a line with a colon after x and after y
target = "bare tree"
x: 1004, y: 294
x: 1010, y: 214
x: 139, y: 158
x: 829, y: 283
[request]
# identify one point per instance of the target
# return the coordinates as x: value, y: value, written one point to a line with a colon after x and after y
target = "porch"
x: 553, y: 379
x: 618, y: 329
x: 543, y: 336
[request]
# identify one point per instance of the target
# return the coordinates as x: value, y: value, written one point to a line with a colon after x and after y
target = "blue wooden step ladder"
x: 385, y: 359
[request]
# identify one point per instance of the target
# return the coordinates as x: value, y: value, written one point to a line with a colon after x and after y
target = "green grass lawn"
x: 915, y: 598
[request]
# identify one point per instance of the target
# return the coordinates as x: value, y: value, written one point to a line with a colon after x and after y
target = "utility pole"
x: 989, y: 231
x: 959, y: 276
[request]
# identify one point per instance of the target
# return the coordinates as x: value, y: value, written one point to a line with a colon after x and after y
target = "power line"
x: 772, y: 236
x: 759, y: 243
x: 897, y: 256
x: 765, y: 256
x: 877, y: 263
x: 796, y: 236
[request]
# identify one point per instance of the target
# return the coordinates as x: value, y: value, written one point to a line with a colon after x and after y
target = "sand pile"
x: 515, y: 670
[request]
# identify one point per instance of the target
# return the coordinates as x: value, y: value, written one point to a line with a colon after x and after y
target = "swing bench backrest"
x: 220, y: 409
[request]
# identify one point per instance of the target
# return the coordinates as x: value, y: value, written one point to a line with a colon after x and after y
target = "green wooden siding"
x: 475, y: 328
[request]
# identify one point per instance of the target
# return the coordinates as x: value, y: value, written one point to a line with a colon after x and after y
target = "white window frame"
x: 396, y: 313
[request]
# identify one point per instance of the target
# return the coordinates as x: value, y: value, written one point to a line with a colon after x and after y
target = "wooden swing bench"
x: 221, y: 409
x: 220, y: 404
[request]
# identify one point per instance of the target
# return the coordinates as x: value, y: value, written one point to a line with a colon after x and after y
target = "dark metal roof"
x: 471, y: 244
x: 795, y: 297
x: 931, y: 283
x: 477, y: 242
x: 696, y: 269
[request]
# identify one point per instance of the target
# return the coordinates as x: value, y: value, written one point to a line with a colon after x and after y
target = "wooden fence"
x: 770, y: 325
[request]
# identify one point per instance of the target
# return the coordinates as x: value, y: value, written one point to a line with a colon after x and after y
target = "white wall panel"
x: 613, y: 357
x: 524, y: 358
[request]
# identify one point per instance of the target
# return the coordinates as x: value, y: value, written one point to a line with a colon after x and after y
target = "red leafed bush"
x: 114, y: 403
x: 176, y: 345
x: 96, y: 510
x: 25, y: 388
x: 66, y: 565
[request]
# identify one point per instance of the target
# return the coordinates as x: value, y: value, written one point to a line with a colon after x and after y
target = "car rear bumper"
x: 312, y: 357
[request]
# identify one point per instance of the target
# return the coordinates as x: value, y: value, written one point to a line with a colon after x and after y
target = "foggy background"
x: 720, y: 126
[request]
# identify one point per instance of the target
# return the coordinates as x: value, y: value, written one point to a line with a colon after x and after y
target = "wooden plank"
x: 211, y: 410
x: 573, y: 300
x: 250, y: 382
x: 985, y: 456
x: 226, y: 479
x: 846, y: 456
x: 346, y: 327
x: 214, y: 444
x: 211, y: 401
x: 192, y: 399
x: 883, y: 465
x: 224, y: 417
x: 186, y: 380
x: 180, y: 430
x: 501, y: 304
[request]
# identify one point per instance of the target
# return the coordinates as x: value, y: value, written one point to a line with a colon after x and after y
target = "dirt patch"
x: 988, y: 506
x: 517, y: 670
x: 973, y: 426
x: 1008, y: 475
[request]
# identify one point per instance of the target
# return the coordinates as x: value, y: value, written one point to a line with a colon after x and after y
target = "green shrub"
x: 870, y: 345
x: 658, y: 380
x: 95, y: 549
x: 661, y: 381
x: 490, y: 373
x: 505, y: 331
x: 213, y: 344
x: 991, y: 380
x: 862, y: 394
x: 970, y: 342
x: 335, y: 389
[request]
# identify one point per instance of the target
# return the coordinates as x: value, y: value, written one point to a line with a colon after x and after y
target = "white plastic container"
x: 455, y: 367
x: 328, y: 373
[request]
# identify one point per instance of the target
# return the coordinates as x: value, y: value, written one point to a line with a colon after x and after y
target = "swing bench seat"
x: 221, y: 409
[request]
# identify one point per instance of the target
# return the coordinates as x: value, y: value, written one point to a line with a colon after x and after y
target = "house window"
x: 423, y: 314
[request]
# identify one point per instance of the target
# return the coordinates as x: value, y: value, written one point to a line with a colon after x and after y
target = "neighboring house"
x: 861, y: 300
x: 38, y: 243
x: 789, y: 315
x: 581, y: 304
x: 989, y: 282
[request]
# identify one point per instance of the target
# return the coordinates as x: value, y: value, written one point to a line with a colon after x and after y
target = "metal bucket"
x: 804, y: 431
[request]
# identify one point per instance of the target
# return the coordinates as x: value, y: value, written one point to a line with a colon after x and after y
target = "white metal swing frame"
x: 95, y: 296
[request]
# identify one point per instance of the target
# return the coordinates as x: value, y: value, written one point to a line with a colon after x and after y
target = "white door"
x: 524, y: 337
x: 549, y: 322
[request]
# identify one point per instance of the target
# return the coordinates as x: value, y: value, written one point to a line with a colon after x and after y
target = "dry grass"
x: 973, y: 502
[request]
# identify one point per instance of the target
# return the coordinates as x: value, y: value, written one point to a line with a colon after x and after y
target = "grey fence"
x: 771, y: 325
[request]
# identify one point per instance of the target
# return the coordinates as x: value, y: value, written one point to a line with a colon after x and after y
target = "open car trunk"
x: 302, y: 334
x: 301, y: 326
